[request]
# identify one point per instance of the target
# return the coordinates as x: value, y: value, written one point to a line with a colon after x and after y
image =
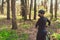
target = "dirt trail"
x: 32, y: 32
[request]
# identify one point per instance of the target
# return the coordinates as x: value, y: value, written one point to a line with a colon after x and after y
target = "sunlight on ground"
x: 2, y: 16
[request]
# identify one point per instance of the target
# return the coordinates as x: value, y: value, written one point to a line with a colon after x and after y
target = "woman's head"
x: 41, y: 13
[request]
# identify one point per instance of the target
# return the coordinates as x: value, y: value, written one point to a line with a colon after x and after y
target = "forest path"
x: 33, y: 31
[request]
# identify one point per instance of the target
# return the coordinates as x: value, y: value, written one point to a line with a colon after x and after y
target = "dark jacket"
x: 41, y: 25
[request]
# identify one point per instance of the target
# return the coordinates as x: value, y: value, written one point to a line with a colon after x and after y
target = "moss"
x: 24, y: 36
x: 8, y: 35
x: 56, y: 35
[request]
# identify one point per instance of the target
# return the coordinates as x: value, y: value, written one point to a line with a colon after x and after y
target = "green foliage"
x: 24, y: 36
x: 47, y: 14
x: 4, y: 26
x: 51, y: 31
x: 25, y: 25
x: 54, y: 19
x: 58, y: 18
x: 57, y: 36
x: 8, y: 35
x: 58, y: 26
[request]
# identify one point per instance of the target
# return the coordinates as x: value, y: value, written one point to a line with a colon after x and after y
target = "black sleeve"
x: 37, y: 23
x: 48, y: 22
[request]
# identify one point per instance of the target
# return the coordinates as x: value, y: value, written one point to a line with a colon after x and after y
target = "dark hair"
x: 41, y: 11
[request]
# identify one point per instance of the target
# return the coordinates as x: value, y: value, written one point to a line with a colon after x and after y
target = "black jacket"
x: 41, y: 23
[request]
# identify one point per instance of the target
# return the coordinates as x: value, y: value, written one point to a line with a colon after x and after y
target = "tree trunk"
x: 24, y: 9
x: 51, y: 10
x: 14, y: 24
x: 30, y: 9
x: 28, y: 6
x: 56, y: 5
x: 8, y: 9
x: 45, y: 4
x: 2, y: 7
x: 34, y: 9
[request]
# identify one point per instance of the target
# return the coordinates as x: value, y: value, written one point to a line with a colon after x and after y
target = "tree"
x: 51, y: 10
x: 56, y: 5
x: 34, y: 9
x: 28, y: 6
x: 2, y: 9
x: 8, y: 9
x: 14, y: 24
x: 45, y: 4
x: 31, y: 4
x: 24, y: 9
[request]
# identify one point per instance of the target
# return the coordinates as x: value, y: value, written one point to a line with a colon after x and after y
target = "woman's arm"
x: 37, y: 23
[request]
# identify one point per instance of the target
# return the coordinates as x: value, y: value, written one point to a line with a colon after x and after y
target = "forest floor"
x: 28, y: 27
x: 32, y: 31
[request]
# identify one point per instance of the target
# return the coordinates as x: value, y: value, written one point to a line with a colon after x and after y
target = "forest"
x: 18, y: 19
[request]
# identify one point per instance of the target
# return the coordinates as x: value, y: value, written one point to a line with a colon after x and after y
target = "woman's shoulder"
x: 45, y: 18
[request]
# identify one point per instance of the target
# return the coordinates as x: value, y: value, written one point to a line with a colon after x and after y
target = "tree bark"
x: 45, y: 4
x: 8, y: 9
x: 24, y: 9
x: 2, y: 7
x: 51, y: 10
x: 34, y: 9
x: 30, y: 9
x: 14, y: 24
x: 56, y: 5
